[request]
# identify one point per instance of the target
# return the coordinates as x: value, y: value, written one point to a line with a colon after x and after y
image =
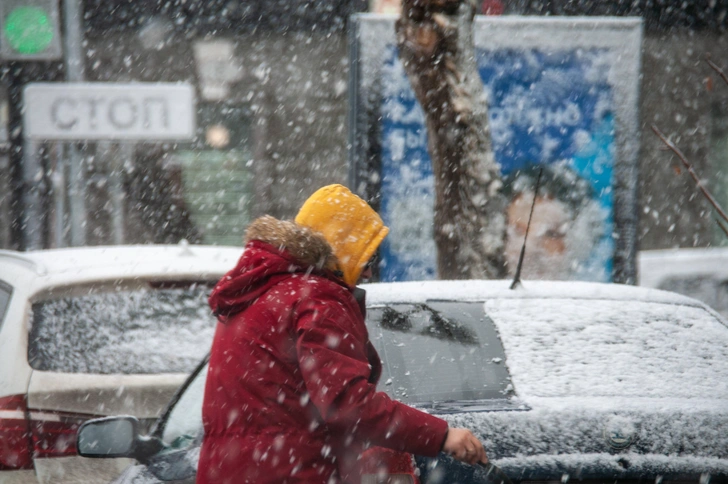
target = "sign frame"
x: 100, y: 111
x: 370, y: 36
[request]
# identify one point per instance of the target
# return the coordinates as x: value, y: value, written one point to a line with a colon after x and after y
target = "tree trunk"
x: 436, y: 48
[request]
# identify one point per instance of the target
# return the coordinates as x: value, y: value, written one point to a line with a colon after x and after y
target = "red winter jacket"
x: 291, y: 390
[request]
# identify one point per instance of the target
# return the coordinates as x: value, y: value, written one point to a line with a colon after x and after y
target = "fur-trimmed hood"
x: 303, y: 244
x: 274, y: 249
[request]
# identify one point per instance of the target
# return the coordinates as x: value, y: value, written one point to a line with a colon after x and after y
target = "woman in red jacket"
x: 291, y: 390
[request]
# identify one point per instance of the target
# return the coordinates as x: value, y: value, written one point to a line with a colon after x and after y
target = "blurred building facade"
x: 271, y: 92
x: 271, y: 80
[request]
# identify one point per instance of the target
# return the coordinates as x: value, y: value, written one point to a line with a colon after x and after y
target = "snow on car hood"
x: 571, y: 430
x: 594, y: 375
x: 627, y: 466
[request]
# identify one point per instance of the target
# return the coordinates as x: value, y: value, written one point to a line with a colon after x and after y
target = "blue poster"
x: 552, y: 110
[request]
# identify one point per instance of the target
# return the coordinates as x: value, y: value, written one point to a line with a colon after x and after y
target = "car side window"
x: 5, y: 291
x: 440, y: 351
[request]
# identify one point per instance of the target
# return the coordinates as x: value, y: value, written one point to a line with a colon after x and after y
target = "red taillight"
x: 54, y: 433
x: 15, y: 437
x: 28, y: 434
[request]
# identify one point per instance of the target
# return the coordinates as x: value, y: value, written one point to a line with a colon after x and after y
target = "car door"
x: 119, y: 348
x: 59, y: 403
x: 180, y: 429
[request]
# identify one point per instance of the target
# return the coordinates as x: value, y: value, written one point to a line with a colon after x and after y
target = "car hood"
x: 598, y: 437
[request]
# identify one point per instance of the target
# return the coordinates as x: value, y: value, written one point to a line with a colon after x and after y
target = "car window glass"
x: 185, y: 420
x: 439, y: 351
x: 149, y: 329
x: 5, y: 291
x: 603, y: 348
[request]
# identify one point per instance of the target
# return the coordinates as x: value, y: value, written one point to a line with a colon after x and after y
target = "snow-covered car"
x: 561, y: 381
x: 89, y: 332
x: 701, y: 273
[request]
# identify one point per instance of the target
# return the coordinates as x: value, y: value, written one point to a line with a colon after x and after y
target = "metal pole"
x: 32, y: 216
x: 58, y: 178
x: 5, y: 185
x: 74, y: 64
x: 5, y: 217
x: 115, y: 163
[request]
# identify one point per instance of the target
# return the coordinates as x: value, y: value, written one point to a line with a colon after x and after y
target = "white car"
x: 562, y: 381
x: 94, y: 331
x: 701, y: 273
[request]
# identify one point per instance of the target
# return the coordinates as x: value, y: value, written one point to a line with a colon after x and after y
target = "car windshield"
x: 111, y: 329
x: 439, y: 351
x: 184, y: 422
x: 605, y: 348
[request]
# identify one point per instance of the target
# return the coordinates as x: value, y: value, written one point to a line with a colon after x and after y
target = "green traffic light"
x: 28, y: 30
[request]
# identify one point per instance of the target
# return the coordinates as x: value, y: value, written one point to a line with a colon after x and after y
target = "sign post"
x: 105, y: 112
x: 75, y: 72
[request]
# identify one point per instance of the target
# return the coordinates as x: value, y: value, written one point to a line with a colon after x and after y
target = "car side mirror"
x: 111, y: 437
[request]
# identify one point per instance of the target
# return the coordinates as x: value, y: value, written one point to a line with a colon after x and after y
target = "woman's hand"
x: 464, y: 446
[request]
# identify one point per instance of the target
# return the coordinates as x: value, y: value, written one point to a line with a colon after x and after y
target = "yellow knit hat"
x: 352, y: 228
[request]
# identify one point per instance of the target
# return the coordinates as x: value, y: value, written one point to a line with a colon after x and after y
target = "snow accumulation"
x: 474, y: 290
x: 571, y: 430
x: 577, y: 364
x: 193, y: 456
x: 596, y: 464
x: 560, y: 347
x: 137, y: 474
x: 127, y: 331
x: 115, y: 261
x: 584, y: 358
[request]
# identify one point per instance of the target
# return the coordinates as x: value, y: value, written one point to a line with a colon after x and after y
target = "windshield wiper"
x: 482, y: 405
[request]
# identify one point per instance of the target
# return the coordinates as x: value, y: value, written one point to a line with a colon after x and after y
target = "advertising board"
x: 562, y: 96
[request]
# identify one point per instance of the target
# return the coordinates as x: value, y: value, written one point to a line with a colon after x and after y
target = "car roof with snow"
x: 81, y: 264
x: 479, y: 290
x: 591, y: 341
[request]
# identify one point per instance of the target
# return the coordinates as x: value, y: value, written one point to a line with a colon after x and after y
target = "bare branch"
x: 723, y: 227
x: 717, y: 69
x: 689, y: 167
